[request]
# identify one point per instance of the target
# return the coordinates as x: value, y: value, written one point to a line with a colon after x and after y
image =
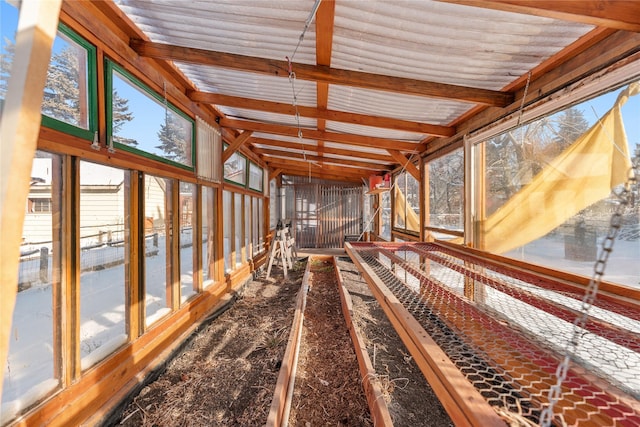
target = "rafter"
x: 302, y: 165
x: 345, y: 138
x: 618, y: 14
x: 327, y: 150
x: 320, y: 175
x: 268, y: 153
x: 321, y: 73
x: 322, y: 113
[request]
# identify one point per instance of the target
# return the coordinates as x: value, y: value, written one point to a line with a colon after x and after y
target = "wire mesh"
x: 505, y: 329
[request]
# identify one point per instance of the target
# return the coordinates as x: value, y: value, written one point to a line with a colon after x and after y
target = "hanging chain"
x: 625, y: 197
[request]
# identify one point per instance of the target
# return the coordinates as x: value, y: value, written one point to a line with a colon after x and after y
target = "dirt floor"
x: 226, y: 373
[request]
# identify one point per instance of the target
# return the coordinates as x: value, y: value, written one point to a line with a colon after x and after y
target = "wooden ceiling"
x: 330, y: 154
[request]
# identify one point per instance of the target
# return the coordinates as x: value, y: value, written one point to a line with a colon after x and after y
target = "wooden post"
x: 19, y: 129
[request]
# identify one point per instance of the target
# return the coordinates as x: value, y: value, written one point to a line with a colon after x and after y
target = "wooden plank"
x: 133, y: 247
x: 268, y: 153
x: 19, y: 127
x: 235, y: 144
x: 274, y: 173
x: 345, y: 138
x: 290, y: 358
x: 320, y: 73
x: 322, y: 113
x: 618, y: 14
x: 461, y: 400
x: 306, y: 166
x: 377, y: 406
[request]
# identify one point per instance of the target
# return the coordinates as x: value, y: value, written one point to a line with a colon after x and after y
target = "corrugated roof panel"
x: 371, y: 150
x: 374, y: 131
x: 249, y: 85
x: 255, y: 28
x: 292, y: 139
x: 399, y: 106
x: 444, y: 42
x: 263, y: 116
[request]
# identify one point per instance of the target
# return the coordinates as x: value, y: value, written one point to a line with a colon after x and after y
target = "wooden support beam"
x: 618, y: 14
x: 338, y: 170
x: 274, y: 173
x: 322, y: 113
x: 325, y: 150
x: 364, y: 141
x: 321, y: 73
x: 406, y: 163
x: 267, y: 153
x: 19, y: 129
x: 237, y: 143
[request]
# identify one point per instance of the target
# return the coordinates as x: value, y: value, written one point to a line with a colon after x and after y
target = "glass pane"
x: 260, y: 225
x: 102, y: 258
x: 142, y: 122
x: 548, y: 186
x: 9, y: 14
x: 29, y: 373
x: 239, y: 243
x: 235, y: 169
x: 187, y: 219
x: 227, y: 219
x: 399, y: 200
x: 255, y: 225
x: 412, y: 195
x: 66, y: 94
x: 157, y: 229
x: 247, y: 226
x: 273, y: 204
x: 208, y: 235
x: 385, y: 216
x: 255, y: 177
x: 446, y: 191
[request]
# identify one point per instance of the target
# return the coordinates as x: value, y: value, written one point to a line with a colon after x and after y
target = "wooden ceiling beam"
x: 274, y: 173
x: 276, y: 162
x: 322, y: 175
x: 322, y: 113
x: 345, y: 138
x: 268, y: 153
x: 321, y: 73
x: 237, y: 143
x: 617, y: 14
x: 327, y: 150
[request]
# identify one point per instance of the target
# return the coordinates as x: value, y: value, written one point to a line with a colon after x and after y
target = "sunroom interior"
x: 153, y: 150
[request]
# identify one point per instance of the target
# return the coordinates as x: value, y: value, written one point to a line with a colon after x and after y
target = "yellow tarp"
x: 583, y: 174
x: 411, y: 221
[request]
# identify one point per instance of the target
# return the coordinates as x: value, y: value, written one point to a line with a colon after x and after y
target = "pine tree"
x: 61, y: 99
x: 120, y: 116
x: 6, y: 59
x: 172, y: 141
x: 571, y: 124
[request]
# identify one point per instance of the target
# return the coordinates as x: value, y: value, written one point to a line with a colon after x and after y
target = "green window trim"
x: 261, y: 189
x: 110, y: 67
x: 92, y: 88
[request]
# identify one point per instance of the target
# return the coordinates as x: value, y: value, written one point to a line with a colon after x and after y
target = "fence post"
x: 44, y: 264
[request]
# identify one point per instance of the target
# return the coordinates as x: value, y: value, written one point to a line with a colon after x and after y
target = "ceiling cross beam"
x: 235, y: 144
x: 406, y: 164
x: 321, y: 73
x: 326, y: 150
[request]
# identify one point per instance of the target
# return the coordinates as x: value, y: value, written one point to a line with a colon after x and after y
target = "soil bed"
x: 328, y: 389
x: 409, y: 396
x: 226, y: 374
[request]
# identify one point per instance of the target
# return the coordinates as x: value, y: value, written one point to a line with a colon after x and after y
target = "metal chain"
x: 624, y: 197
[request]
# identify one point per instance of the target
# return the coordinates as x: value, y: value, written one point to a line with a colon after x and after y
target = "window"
x: 445, y: 176
x: 247, y: 227
x: 188, y: 286
x: 235, y: 169
x: 273, y: 204
x: 157, y: 247
x: 227, y: 221
x: 256, y: 179
x: 238, y: 230
x: 103, y: 227
x: 385, y: 215
x: 406, y: 202
x: 208, y: 236
x: 548, y: 184
x: 30, y: 373
x: 142, y: 122
x: 69, y: 99
x: 39, y: 205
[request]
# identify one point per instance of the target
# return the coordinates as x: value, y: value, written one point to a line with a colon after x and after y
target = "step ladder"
x: 283, y: 248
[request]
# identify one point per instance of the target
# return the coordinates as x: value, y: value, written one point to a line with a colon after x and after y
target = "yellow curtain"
x: 580, y: 176
x: 411, y: 221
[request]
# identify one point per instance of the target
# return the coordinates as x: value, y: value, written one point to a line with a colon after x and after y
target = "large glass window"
x: 143, y: 122
x: 227, y: 221
x: 157, y: 242
x: 238, y: 229
x: 188, y: 286
x: 69, y: 93
x: 385, y: 215
x: 102, y: 260
x: 407, y: 202
x: 29, y: 373
x: 255, y: 221
x: 256, y: 179
x: 208, y: 236
x: 548, y: 196
x: 247, y: 227
x: 273, y: 204
x: 445, y: 176
x: 260, y: 246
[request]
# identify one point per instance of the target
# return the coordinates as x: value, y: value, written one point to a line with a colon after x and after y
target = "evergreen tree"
x: 120, y: 116
x: 171, y: 136
x: 571, y: 124
x: 6, y: 59
x: 61, y: 99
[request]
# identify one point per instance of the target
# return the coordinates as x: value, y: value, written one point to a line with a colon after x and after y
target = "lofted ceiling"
x: 359, y: 87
